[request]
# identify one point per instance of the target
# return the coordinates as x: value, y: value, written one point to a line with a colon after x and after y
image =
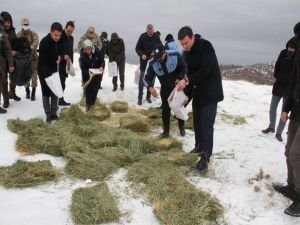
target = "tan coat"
x: 91, y: 35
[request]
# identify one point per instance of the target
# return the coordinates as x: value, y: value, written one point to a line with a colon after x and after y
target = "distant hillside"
x: 257, y: 73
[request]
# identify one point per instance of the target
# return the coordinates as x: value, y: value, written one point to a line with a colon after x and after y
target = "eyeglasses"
x: 25, y: 25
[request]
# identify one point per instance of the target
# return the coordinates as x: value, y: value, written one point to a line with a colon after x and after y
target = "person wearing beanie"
x: 170, y: 43
x: 117, y: 54
x: 282, y: 74
x: 33, y: 39
x: 50, y: 51
x: 6, y: 58
x: 91, y: 58
x: 105, y: 42
x: 12, y: 37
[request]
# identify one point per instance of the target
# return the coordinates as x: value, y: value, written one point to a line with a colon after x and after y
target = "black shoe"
x: 196, y: 150
x: 2, y: 111
x: 293, y: 209
x: 164, y: 134
x: 16, y: 98
x: 182, y: 132
x: 48, y: 119
x: 27, y: 93
x: 61, y: 102
x: 149, y: 100
x: 115, y: 88
x: 122, y: 88
x: 286, y: 190
x: 279, y: 137
x: 268, y: 130
x: 54, y: 117
x: 100, y: 87
x: 6, y: 104
x: 140, y: 102
x: 202, y: 165
x: 33, y: 94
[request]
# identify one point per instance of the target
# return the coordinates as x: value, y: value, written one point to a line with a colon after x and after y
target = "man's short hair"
x: 185, y: 31
x: 56, y: 27
x: 71, y: 24
x: 150, y: 26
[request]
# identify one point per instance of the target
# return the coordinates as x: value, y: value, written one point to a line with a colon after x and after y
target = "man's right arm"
x: 138, y: 47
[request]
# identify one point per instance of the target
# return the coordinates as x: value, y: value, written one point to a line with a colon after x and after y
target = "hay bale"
x: 163, y: 144
x: 99, y: 112
x: 118, y: 106
x: 175, y: 200
x: 27, y: 174
x: 94, y: 205
x: 134, y: 123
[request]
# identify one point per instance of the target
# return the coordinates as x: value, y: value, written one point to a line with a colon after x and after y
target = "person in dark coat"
x: 105, y: 42
x: 204, y: 86
x: 50, y: 51
x: 117, y: 54
x: 67, y: 54
x: 144, y: 49
x: 91, y: 58
x: 170, y: 43
x: 12, y: 37
x: 282, y: 73
x: 168, y: 67
x: 292, y: 150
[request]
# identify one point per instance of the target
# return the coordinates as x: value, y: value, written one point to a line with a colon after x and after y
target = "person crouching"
x: 91, y: 58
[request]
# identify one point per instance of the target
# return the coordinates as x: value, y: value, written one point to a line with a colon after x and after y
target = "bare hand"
x: 181, y: 85
x: 284, y: 116
x: 144, y: 57
x: 66, y: 57
x: 153, y: 92
x: 13, y: 53
x: 11, y: 69
x: 58, y: 60
x: 101, y: 70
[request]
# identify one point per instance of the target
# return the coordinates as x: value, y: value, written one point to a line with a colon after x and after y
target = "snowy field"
x: 240, y: 153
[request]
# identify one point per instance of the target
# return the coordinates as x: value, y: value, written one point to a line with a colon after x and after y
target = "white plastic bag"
x: 54, y: 84
x: 176, y: 101
x: 70, y: 68
x: 137, y: 75
x: 112, y: 69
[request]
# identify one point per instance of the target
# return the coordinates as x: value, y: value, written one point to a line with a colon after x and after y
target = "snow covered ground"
x: 240, y: 152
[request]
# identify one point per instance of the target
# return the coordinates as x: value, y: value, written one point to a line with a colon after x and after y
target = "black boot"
x: 27, y: 93
x: 2, y: 111
x: 115, y: 88
x: 6, y: 104
x: 202, y: 165
x: 181, y: 128
x: 294, y: 208
x: 54, y: 117
x: 164, y: 134
x: 48, y: 119
x: 140, y: 102
x: 286, y: 190
x: 196, y: 150
x: 33, y: 94
x: 61, y: 102
x: 268, y: 130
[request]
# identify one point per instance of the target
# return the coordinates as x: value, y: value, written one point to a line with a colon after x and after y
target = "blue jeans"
x: 141, y: 86
x: 272, y: 113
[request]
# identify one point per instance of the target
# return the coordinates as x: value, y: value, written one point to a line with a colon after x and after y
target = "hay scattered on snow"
x: 99, y: 112
x: 167, y: 143
x: 27, y: 174
x: 94, y: 205
x: 118, y: 106
x: 134, y: 123
x: 175, y: 200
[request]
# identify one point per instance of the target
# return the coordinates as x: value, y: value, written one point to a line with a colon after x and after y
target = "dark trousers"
x: 166, y: 111
x: 141, y: 86
x: 204, y: 119
x: 292, y: 154
x: 4, y: 87
x: 91, y: 91
x: 121, y: 69
x: 50, y: 104
x: 62, y: 74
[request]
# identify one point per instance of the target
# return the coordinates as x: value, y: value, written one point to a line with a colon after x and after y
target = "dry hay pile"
x: 119, y: 107
x: 134, y: 123
x: 27, y: 174
x: 94, y: 205
x: 175, y: 200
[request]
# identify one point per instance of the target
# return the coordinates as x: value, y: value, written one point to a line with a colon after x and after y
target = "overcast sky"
x: 242, y: 31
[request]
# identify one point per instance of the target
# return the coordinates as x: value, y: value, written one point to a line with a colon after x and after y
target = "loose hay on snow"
x: 118, y: 106
x: 99, y: 112
x: 27, y: 174
x: 175, y: 200
x: 134, y: 123
x: 94, y: 205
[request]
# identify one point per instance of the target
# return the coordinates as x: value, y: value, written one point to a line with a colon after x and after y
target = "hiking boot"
x: 293, y: 209
x: 122, y: 88
x: 54, y: 117
x: 164, y: 134
x: 149, y: 100
x: 15, y: 97
x: 140, y: 102
x: 2, y: 111
x: 61, y: 102
x: 202, y: 165
x: 48, y: 119
x: 115, y: 88
x: 279, y: 137
x: 6, y: 104
x: 286, y: 190
x: 182, y: 132
x: 268, y: 130
x: 196, y: 150
x: 27, y: 93
x: 33, y: 94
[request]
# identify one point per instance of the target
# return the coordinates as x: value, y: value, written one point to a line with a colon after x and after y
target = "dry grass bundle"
x: 119, y: 107
x: 167, y: 144
x: 134, y: 123
x: 94, y: 205
x: 175, y: 200
x: 99, y: 112
x: 27, y: 174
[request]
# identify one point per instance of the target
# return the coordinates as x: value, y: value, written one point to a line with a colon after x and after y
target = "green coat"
x: 6, y: 57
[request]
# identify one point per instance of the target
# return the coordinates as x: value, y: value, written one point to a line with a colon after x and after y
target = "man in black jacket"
x: 282, y: 73
x: 205, y: 87
x: 144, y: 49
x: 50, y: 51
x: 67, y: 54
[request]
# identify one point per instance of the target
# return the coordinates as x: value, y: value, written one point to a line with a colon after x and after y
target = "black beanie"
x: 297, y: 28
x: 169, y: 37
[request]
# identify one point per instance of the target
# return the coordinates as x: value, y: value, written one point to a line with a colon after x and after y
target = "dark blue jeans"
x: 204, y: 120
